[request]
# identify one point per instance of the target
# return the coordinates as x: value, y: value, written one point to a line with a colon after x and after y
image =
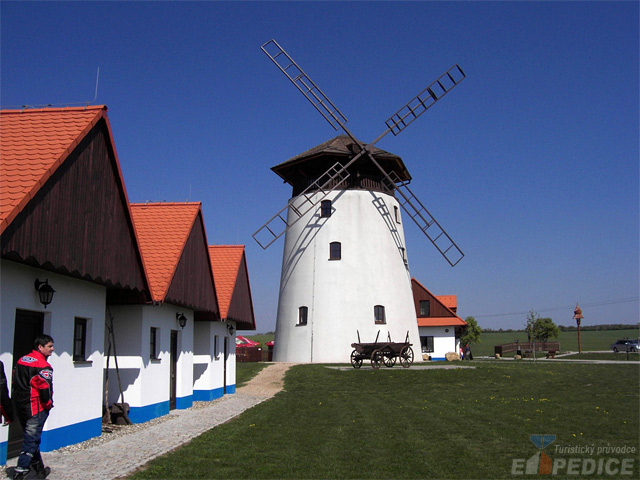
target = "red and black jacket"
x: 32, y: 390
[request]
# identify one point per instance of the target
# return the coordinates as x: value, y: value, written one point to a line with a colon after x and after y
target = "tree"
x: 529, y: 326
x: 540, y: 329
x: 544, y: 329
x: 471, y: 333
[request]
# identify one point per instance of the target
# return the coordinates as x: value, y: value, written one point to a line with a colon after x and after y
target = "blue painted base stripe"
x: 3, y: 453
x: 207, y: 395
x: 148, y: 412
x: 231, y: 388
x: 184, y: 402
x: 70, y: 434
x: 438, y: 359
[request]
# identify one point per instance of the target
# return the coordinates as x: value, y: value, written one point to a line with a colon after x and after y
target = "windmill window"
x: 303, y: 312
x: 79, y: 339
x: 325, y: 208
x: 396, y: 212
x: 379, y: 315
x: 216, y: 353
x: 153, y: 343
x: 335, y: 251
x: 425, y: 308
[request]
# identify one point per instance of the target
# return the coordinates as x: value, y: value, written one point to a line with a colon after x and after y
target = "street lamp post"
x: 577, y: 315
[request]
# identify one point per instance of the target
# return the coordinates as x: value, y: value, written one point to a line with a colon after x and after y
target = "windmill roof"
x: 225, y: 263
x: 341, y: 146
x: 163, y: 230
x: 33, y: 144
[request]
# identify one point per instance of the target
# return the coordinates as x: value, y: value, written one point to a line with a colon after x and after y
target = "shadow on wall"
x: 310, y: 231
x: 386, y: 216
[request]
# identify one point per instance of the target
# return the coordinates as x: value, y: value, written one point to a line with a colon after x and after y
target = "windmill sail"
x: 334, y: 177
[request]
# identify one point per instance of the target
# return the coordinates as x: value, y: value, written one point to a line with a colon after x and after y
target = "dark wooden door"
x: 28, y: 326
x: 173, y: 369
x: 226, y: 354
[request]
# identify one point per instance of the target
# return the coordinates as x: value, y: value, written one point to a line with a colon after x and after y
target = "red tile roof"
x: 447, y: 301
x: 33, y: 144
x: 163, y: 230
x: 441, y: 322
x: 225, y: 263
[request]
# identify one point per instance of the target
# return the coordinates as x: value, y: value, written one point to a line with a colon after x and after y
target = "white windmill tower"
x: 345, y: 270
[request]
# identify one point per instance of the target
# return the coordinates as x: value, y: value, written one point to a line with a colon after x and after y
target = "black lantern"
x: 182, y: 320
x: 230, y: 328
x: 45, y: 292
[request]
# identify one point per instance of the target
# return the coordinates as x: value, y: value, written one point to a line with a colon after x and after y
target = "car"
x: 626, y: 345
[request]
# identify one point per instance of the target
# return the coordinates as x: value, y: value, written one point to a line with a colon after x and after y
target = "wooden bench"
x: 551, y: 348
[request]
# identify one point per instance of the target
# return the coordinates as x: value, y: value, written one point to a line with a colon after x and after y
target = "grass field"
x: 620, y: 356
x: 591, y: 340
x: 411, y: 423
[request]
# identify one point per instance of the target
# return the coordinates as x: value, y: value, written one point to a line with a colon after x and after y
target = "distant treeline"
x: 573, y: 328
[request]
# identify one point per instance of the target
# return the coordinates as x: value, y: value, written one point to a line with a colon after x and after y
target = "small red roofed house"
x: 162, y: 357
x: 64, y: 220
x: 439, y: 326
x: 229, y: 264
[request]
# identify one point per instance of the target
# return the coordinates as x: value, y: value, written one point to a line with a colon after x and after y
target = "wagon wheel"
x: 406, y: 357
x: 389, y: 359
x: 376, y: 359
x: 355, y: 360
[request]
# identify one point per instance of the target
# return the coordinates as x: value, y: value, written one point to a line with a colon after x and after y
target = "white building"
x: 344, y: 269
x: 65, y: 220
x: 439, y: 325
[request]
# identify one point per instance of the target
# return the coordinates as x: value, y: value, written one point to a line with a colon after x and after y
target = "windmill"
x: 320, y: 305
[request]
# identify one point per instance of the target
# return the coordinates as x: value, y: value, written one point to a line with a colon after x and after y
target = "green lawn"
x: 411, y: 423
x: 590, y: 340
x: 621, y: 356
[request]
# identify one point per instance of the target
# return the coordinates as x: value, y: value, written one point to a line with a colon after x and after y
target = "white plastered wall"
x: 72, y: 298
x: 145, y: 381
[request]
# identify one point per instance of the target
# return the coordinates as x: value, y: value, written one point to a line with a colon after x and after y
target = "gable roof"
x: 60, y: 172
x: 231, y: 275
x: 33, y: 144
x: 440, y: 314
x: 172, y: 240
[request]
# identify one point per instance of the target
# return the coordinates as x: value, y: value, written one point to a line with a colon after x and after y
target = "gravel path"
x: 114, y: 455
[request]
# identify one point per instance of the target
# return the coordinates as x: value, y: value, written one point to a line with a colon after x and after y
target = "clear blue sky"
x: 531, y: 164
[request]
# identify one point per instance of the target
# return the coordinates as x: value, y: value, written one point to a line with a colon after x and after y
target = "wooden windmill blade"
x: 278, y: 224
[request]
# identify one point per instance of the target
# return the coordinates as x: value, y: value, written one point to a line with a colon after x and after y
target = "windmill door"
x: 173, y: 369
x: 28, y: 326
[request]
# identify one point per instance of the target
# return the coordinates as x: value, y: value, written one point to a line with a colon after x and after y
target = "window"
x: 396, y: 213
x: 378, y: 313
x: 425, y: 308
x: 153, y: 344
x: 215, y: 347
x: 335, y: 251
x: 303, y: 312
x: 325, y: 208
x: 427, y: 344
x: 79, y: 339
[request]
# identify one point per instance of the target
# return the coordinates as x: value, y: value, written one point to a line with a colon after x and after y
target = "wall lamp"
x: 182, y: 320
x: 45, y: 292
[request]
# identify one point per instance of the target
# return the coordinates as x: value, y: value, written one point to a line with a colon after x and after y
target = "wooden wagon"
x: 382, y: 353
